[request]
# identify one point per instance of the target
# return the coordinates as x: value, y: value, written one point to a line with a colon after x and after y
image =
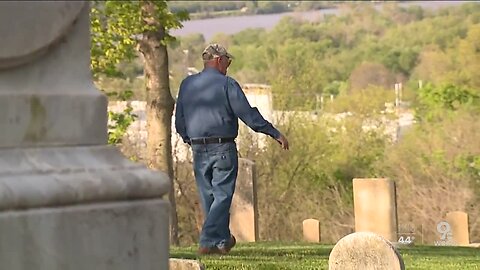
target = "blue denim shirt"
x: 209, y: 105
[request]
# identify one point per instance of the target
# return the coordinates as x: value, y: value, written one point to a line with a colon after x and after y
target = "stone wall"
x: 136, y: 136
x: 135, y: 141
x: 259, y: 96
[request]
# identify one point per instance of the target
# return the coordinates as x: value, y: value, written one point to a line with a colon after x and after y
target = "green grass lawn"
x: 258, y: 256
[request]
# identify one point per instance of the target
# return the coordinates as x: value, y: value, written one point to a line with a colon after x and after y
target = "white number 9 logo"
x: 443, y: 228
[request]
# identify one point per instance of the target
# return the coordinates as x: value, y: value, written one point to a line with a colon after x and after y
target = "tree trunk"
x: 160, y: 104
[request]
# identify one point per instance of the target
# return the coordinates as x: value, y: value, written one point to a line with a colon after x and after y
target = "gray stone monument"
x: 243, y: 213
x: 362, y: 251
x: 67, y: 199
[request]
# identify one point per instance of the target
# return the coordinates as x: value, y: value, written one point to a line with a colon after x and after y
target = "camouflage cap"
x: 215, y: 50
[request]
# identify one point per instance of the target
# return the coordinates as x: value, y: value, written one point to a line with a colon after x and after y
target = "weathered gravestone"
x: 375, y: 207
x: 243, y: 213
x: 458, y: 222
x: 67, y: 200
x: 311, y: 230
x: 364, y: 251
x: 184, y: 264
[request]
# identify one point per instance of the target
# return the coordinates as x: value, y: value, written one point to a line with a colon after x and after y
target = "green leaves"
x: 435, y: 100
x: 469, y: 163
x: 116, y: 27
x: 120, y: 123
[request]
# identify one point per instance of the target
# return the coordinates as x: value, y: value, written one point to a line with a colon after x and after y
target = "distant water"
x: 232, y: 25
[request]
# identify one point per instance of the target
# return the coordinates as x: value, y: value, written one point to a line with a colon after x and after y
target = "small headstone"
x: 184, y: 264
x: 375, y: 207
x: 458, y: 222
x: 364, y: 250
x: 243, y: 213
x: 311, y: 230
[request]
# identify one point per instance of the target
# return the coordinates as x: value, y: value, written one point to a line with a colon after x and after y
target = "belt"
x: 211, y: 140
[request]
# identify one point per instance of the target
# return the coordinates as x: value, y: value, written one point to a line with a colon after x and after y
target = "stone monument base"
x: 67, y: 200
x: 80, y: 208
x: 113, y: 236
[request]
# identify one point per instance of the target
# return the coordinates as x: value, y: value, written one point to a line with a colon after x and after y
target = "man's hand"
x: 283, y: 141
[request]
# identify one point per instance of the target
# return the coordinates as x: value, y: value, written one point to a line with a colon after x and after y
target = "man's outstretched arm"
x: 251, y: 116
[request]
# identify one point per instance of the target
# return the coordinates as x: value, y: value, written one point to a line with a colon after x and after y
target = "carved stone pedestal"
x: 67, y: 199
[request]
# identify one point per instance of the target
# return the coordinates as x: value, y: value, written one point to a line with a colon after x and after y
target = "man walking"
x: 207, y: 110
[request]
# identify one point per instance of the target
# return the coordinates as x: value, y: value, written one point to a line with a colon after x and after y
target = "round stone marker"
x: 364, y: 250
x: 24, y: 36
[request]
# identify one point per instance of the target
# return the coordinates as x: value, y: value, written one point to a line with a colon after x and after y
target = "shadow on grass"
x: 289, y: 249
x: 261, y: 251
x: 436, y: 251
x: 280, y: 256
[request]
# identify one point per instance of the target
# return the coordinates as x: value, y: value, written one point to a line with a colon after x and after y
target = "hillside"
x: 356, y: 58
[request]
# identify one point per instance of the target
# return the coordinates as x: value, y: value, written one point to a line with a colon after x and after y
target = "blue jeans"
x: 216, y: 167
